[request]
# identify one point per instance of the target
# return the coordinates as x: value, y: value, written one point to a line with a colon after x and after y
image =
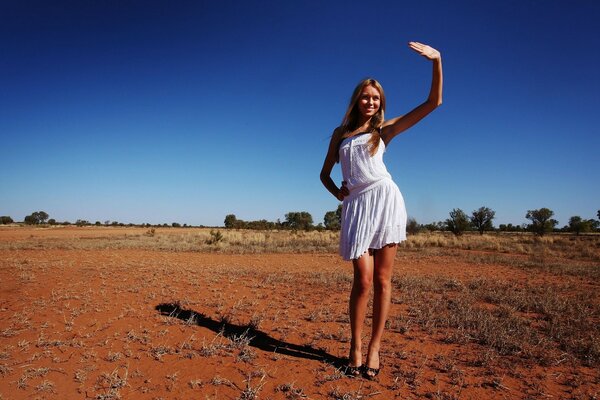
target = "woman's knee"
x: 363, y: 283
x: 382, y: 283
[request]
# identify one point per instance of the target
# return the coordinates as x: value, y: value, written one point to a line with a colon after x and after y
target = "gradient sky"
x: 185, y: 111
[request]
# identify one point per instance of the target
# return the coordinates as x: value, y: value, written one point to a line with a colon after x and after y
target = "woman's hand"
x: 426, y: 51
x: 343, y: 192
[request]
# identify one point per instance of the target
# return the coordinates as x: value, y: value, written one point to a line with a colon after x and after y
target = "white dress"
x: 373, y: 215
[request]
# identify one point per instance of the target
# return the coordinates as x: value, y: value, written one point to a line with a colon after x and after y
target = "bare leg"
x: 359, y: 298
x: 382, y: 281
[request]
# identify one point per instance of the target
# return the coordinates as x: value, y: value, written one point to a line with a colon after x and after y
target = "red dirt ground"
x: 95, y: 324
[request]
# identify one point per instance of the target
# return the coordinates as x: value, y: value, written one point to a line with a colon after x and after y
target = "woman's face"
x: 369, y: 101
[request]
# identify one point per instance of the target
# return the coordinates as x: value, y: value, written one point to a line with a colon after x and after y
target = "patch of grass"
x: 540, y: 322
x: 251, y: 391
x: 110, y: 384
x: 290, y: 391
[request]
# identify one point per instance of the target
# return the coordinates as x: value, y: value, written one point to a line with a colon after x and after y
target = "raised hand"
x: 426, y: 51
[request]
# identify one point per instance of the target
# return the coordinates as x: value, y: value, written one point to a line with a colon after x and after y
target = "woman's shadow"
x: 257, y: 338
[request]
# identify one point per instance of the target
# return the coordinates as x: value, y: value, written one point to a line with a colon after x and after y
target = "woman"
x: 373, y: 216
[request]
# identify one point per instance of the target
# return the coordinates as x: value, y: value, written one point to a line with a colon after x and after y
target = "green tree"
x: 333, y: 219
x: 579, y: 225
x: 300, y: 220
x: 481, y: 219
x: 541, y: 220
x: 458, y: 222
x: 230, y: 221
x: 412, y: 226
x: 36, y: 218
x: 5, y: 220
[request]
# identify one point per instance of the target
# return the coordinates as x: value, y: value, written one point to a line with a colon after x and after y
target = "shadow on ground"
x: 258, y: 339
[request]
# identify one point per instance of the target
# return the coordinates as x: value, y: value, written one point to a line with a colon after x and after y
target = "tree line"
x: 480, y: 220
x: 42, y: 218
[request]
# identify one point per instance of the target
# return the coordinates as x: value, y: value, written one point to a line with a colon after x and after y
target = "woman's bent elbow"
x: 323, y: 177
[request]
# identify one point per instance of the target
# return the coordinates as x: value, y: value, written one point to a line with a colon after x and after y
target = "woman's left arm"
x: 395, y: 126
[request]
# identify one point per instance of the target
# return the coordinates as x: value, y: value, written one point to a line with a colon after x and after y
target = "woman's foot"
x: 370, y: 373
x: 372, y: 368
x: 354, y: 366
x: 351, y: 371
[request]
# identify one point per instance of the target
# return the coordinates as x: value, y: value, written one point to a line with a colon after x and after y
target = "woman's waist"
x: 357, y: 188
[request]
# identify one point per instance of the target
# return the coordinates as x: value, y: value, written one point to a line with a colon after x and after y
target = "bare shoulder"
x: 387, y: 129
x: 337, y: 132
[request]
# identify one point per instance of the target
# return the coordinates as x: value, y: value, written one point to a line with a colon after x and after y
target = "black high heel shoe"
x: 370, y: 373
x: 351, y: 371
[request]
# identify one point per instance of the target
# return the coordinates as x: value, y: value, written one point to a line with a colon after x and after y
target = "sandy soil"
x: 139, y: 324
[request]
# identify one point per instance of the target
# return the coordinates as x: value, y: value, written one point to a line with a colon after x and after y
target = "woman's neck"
x: 363, y: 125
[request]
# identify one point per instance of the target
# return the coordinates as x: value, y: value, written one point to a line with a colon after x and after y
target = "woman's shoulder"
x: 339, y: 131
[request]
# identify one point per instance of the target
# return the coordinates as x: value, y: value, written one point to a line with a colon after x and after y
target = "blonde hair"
x: 351, y: 118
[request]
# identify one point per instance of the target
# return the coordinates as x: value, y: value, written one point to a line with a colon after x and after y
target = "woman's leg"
x: 359, y: 297
x: 383, y: 262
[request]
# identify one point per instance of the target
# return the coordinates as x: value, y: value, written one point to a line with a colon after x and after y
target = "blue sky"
x: 147, y: 111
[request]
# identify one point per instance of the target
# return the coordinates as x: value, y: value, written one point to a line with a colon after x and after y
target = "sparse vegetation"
x: 472, y: 315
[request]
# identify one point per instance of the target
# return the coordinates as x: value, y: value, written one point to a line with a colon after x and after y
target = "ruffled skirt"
x: 372, y: 219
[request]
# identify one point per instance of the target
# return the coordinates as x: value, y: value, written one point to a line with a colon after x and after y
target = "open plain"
x: 181, y: 313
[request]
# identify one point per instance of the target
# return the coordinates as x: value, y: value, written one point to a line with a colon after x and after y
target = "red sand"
x: 84, y: 324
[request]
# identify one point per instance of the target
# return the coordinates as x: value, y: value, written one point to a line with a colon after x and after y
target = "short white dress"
x: 374, y: 214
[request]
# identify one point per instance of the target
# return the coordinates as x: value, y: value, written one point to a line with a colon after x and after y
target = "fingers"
x: 344, y: 189
x: 424, y: 50
x: 416, y: 46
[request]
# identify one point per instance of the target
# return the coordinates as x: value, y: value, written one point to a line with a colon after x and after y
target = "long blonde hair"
x: 351, y: 118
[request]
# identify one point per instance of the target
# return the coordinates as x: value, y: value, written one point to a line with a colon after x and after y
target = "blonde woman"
x: 373, y: 216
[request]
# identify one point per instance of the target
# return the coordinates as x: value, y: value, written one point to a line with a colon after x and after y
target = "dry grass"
x: 542, y: 322
x: 196, y: 239
x: 549, y: 246
x: 538, y: 249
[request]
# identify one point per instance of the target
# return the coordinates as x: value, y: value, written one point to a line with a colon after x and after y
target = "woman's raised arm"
x: 394, y: 126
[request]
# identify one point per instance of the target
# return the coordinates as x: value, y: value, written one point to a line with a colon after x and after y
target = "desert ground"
x: 186, y: 313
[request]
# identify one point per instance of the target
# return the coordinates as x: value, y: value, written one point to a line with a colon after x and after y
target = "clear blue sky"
x: 185, y: 111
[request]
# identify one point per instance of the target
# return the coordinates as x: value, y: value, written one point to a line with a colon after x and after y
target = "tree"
x: 230, y: 221
x: 578, y: 225
x: 5, y: 220
x: 482, y: 218
x: 541, y: 221
x: 333, y: 219
x: 299, y: 220
x: 36, y: 218
x: 458, y: 222
x: 412, y: 226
